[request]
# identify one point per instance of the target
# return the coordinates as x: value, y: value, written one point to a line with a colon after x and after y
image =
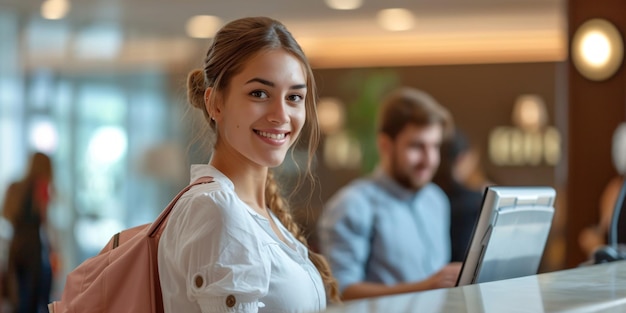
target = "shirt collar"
x: 200, y: 170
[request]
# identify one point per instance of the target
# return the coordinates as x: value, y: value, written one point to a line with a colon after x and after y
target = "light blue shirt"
x: 374, y: 230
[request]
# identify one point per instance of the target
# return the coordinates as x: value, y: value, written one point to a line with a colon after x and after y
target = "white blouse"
x: 216, y: 254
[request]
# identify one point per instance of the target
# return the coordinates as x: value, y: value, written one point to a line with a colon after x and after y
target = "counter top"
x: 594, y: 288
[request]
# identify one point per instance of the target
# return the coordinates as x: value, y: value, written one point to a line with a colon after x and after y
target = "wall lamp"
x: 597, y: 49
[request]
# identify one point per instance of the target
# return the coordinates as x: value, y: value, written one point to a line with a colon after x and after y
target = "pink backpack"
x: 124, y: 276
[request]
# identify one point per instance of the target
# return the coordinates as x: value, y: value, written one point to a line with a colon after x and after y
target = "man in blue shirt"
x: 389, y: 233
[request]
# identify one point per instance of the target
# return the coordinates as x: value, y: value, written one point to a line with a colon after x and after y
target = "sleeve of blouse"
x: 227, y: 267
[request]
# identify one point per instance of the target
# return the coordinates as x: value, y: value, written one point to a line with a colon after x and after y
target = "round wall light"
x: 597, y: 49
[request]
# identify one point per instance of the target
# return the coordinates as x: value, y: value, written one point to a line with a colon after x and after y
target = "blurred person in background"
x: 458, y: 162
x: 389, y: 233
x: 6, y: 233
x: 596, y: 236
x: 32, y: 260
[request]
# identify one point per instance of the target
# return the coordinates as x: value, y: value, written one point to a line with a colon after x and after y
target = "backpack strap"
x: 156, y: 226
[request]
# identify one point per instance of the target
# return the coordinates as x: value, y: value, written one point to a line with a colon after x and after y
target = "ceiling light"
x: 597, y: 49
x: 344, y: 4
x: 203, y: 26
x: 54, y: 9
x: 396, y: 19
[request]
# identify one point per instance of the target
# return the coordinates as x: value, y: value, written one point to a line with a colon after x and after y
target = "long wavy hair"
x: 233, y: 45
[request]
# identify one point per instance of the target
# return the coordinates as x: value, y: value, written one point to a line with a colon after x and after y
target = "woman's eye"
x: 295, y: 98
x: 259, y: 94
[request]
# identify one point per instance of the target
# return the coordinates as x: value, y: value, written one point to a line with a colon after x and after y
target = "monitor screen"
x: 510, y: 234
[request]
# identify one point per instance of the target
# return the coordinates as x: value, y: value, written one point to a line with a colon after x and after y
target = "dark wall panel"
x: 595, y: 110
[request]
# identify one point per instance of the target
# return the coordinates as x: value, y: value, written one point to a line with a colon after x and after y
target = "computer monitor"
x: 510, y: 234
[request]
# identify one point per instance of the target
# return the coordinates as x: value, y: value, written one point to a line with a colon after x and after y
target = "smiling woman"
x: 266, y: 102
x: 233, y: 244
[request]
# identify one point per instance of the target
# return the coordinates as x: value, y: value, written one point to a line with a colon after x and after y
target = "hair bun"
x: 195, y: 88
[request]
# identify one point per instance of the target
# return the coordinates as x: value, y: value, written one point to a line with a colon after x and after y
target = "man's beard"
x: 403, y: 178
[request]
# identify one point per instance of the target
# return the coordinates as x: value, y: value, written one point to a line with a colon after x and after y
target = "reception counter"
x: 595, y: 288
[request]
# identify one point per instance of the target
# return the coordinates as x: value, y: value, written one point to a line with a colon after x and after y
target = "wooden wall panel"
x: 595, y: 110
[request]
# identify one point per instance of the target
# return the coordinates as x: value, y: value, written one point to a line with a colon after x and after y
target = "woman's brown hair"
x: 233, y: 45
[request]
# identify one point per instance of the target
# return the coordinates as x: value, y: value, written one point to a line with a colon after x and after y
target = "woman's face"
x: 263, y: 110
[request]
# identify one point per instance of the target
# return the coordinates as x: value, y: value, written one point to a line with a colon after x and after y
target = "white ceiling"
x: 447, y: 31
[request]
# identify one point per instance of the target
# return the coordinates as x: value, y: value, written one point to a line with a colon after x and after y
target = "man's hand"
x: 446, y: 277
